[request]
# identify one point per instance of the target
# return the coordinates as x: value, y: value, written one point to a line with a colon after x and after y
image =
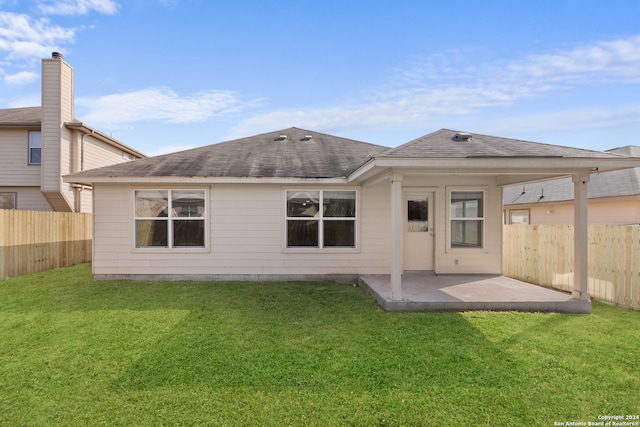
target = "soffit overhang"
x: 507, y: 170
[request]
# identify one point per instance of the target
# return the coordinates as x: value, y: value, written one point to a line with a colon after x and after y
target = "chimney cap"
x: 57, y: 55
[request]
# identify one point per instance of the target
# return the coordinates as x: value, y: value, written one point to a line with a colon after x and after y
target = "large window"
x: 321, y: 219
x: 467, y: 219
x: 35, y: 148
x: 170, y: 218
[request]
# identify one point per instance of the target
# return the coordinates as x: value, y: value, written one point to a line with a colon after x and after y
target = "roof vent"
x: 281, y: 138
x: 306, y: 138
x: 57, y: 55
x: 462, y: 136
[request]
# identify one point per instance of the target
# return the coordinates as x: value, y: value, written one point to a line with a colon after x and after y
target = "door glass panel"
x: 417, y: 215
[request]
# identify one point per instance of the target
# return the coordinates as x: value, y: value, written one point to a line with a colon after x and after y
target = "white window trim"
x: 169, y: 248
x: 316, y: 250
x: 485, y: 197
x: 29, y: 148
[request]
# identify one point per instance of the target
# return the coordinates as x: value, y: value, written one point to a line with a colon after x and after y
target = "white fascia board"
x: 495, y: 165
x: 198, y: 180
x: 87, y: 130
x: 505, y: 163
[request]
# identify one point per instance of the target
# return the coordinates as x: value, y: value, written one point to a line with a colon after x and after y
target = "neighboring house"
x: 302, y: 204
x: 40, y: 144
x: 614, y: 198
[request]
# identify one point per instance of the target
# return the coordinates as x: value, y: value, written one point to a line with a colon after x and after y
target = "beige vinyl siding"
x: 487, y: 260
x: 610, y: 211
x: 97, y: 154
x: 89, y: 153
x: 54, y: 115
x: 57, y: 108
x: 65, y: 163
x: 246, y: 234
x: 28, y: 198
x: 14, y: 152
x: 86, y: 200
x: 245, y: 229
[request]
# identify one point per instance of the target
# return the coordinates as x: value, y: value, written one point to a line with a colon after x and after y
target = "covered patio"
x: 426, y: 291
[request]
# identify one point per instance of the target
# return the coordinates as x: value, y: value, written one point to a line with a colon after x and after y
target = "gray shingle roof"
x: 303, y: 154
x: 28, y: 116
x: 443, y: 144
x: 624, y: 182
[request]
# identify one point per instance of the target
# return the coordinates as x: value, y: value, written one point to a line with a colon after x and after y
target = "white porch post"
x: 580, y: 236
x: 396, y: 237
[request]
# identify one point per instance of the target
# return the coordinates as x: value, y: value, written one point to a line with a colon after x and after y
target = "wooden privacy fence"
x: 32, y: 241
x: 543, y: 254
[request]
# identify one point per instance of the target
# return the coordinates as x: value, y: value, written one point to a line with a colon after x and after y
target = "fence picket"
x: 545, y: 257
x: 32, y: 241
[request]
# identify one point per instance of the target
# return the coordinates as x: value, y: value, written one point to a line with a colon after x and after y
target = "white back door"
x: 418, y: 230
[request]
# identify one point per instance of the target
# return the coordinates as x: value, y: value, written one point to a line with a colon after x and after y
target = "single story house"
x: 299, y: 204
x: 614, y: 198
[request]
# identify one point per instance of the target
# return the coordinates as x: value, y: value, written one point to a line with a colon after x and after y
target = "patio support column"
x: 580, y: 236
x: 396, y: 237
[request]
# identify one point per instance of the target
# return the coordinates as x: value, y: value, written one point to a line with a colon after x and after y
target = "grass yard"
x: 79, y: 352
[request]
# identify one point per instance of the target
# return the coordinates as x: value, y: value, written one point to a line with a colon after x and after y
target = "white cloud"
x: 576, y: 119
x: 24, y: 37
x: 441, y: 89
x: 78, y: 7
x: 602, y: 61
x: 20, y: 78
x: 159, y: 104
x: 166, y: 149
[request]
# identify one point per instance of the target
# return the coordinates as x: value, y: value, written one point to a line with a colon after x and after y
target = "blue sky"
x: 165, y: 75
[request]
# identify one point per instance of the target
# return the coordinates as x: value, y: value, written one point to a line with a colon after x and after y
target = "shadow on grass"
x: 265, y: 351
x: 309, y: 335
x: 144, y: 346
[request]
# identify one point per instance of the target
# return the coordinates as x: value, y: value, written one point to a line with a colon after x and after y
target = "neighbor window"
x: 519, y: 217
x: 35, y: 148
x: 170, y: 218
x: 467, y: 219
x: 8, y: 200
x: 321, y: 219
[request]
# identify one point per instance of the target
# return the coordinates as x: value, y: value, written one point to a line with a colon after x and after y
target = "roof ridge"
x: 412, y: 142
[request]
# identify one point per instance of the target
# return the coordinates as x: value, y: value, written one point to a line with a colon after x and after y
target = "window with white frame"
x: 467, y: 219
x: 35, y: 148
x: 170, y: 218
x: 321, y: 219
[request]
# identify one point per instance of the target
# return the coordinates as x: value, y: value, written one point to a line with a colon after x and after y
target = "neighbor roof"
x: 31, y: 117
x: 23, y: 117
x: 624, y: 182
x: 444, y: 144
x: 292, y: 152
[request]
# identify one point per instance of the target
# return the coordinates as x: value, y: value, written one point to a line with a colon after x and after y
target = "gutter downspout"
x: 82, y: 148
x: 77, y: 188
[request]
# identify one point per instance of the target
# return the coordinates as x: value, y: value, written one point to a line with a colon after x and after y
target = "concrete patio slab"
x: 425, y: 291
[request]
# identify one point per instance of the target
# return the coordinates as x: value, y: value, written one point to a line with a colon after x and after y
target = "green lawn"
x: 78, y: 352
